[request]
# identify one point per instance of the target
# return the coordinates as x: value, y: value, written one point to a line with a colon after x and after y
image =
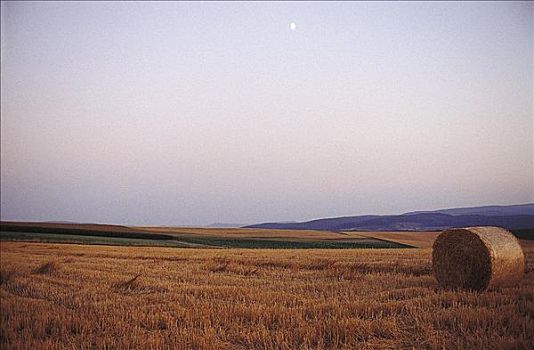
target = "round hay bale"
x: 477, y: 258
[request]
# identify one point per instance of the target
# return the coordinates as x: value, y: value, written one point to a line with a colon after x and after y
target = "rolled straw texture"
x: 477, y: 258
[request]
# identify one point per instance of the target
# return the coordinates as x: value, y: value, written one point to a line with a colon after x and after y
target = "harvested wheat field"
x: 413, y: 239
x: 58, y: 296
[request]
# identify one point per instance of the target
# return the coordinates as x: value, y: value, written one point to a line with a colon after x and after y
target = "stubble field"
x: 61, y: 296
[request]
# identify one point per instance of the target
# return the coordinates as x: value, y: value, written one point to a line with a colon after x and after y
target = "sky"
x: 166, y: 113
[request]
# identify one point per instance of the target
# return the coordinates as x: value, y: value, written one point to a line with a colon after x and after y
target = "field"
x: 60, y: 296
x: 413, y: 239
x: 191, y: 237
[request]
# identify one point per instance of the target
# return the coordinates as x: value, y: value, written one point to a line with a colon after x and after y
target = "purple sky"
x: 192, y: 113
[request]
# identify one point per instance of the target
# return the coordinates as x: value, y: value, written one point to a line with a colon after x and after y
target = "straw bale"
x: 477, y: 258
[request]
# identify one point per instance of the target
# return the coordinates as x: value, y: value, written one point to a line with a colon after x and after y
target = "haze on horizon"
x: 191, y: 113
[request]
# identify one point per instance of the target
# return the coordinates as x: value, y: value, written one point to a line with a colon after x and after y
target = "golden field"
x: 196, y: 237
x: 65, y: 296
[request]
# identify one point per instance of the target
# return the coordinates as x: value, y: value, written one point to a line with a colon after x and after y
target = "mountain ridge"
x: 513, y: 217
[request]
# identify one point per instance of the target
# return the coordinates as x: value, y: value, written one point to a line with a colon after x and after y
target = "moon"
x: 292, y: 26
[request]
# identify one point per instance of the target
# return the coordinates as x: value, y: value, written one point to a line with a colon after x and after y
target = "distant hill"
x: 328, y: 224
x: 512, y: 217
x: 223, y: 225
x: 490, y: 210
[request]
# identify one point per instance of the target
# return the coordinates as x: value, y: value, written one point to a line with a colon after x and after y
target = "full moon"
x: 292, y: 26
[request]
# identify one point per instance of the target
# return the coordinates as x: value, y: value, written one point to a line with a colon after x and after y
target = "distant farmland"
x: 192, y: 237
